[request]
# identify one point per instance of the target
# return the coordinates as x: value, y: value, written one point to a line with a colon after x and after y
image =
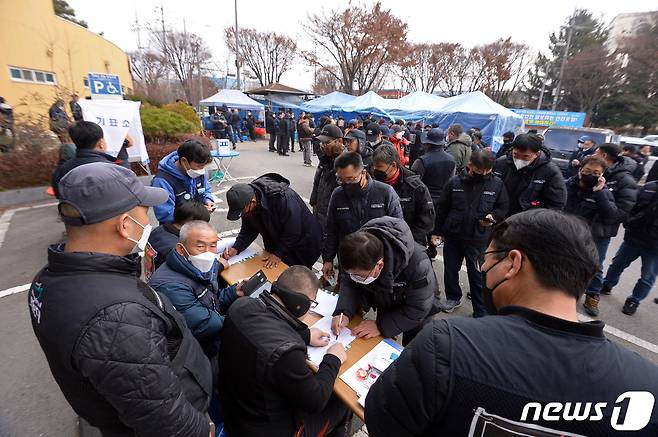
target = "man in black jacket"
x: 266, y: 386
x: 357, y: 200
x: 415, y: 199
x: 88, y: 301
x: 384, y: 269
x: 165, y: 237
x: 532, y: 180
x: 90, y: 147
x: 270, y: 128
x: 471, y: 203
x: 618, y: 179
x: 324, y: 182
x: 640, y: 241
x: 435, y: 168
x: 375, y: 137
x: 506, y: 147
x: 250, y: 124
x: 282, y: 134
x: 355, y: 141
x: 269, y: 207
x: 524, y: 370
x: 586, y: 147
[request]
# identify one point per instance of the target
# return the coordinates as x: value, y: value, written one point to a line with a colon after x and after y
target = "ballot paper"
x: 316, y: 354
x: 365, y: 372
x: 226, y: 243
x: 326, y: 303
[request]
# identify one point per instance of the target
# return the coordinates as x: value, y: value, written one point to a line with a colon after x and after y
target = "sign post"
x: 105, y: 86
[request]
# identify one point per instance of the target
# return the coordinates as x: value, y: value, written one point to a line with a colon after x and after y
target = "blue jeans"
x: 454, y: 252
x: 597, y: 282
x: 627, y: 253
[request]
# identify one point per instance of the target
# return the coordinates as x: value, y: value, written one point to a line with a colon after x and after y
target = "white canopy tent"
x: 233, y: 99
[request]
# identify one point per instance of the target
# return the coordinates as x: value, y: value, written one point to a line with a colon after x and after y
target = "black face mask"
x: 353, y: 189
x: 379, y: 175
x: 589, y: 180
x: 487, y: 293
x: 297, y: 303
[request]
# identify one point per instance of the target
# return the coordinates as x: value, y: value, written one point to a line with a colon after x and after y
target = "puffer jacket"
x: 401, y: 146
x: 642, y: 223
x: 121, y: 354
x: 539, y: 185
x: 461, y: 150
x: 598, y: 208
x: 324, y: 183
x: 403, y: 293
x: 196, y: 296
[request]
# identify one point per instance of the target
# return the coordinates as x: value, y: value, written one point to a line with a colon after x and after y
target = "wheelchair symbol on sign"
x: 112, y: 89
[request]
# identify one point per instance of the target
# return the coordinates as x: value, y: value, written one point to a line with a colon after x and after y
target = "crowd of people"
x: 144, y: 337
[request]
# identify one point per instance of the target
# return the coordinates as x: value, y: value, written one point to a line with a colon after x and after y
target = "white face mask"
x: 140, y: 245
x: 195, y: 173
x: 520, y: 163
x: 399, y: 135
x: 203, y: 262
x: 359, y: 280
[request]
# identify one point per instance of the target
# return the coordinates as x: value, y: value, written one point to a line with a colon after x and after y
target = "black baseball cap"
x: 330, y: 132
x: 434, y: 136
x: 355, y: 133
x: 100, y: 191
x: 372, y: 131
x: 238, y: 197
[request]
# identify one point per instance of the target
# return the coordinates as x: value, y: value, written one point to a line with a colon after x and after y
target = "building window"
x: 27, y: 75
x: 85, y: 82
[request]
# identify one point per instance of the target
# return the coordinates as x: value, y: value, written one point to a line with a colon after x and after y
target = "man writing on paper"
x: 266, y: 386
x: 269, y: 207
x: 383, y: 268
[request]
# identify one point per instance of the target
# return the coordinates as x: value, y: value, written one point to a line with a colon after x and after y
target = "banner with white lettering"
x: 117, y: 118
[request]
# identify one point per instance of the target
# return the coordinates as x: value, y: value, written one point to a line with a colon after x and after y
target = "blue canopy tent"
x: 233, y: 99
x: 416, y: 106
x: 477, y: 110
x: 369, y: 103
x: 331, y: 104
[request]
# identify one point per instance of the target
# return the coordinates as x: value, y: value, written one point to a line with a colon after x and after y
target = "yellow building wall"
x: 33, y: 37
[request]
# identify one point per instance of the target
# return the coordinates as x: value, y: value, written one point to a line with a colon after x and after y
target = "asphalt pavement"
x: 32, y: 404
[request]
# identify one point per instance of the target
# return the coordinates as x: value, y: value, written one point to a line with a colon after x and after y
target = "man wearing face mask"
x: 357, y: 200
x: 400, y: 143
x: 506, y: 147
x: 384, y: 269
x: 618, y: 180
x: 182, y: 174
x: 189, y: 279
x: 463, y: 375
x: 266, y: 386
x: 586, y: 147
x: 270, y: 208
x: 459, y: 145
x: 471, y: 203
x: 88, y: 301
x: 355, y: 141
x: 532, y: 180
x: 415, y: 198
x: 375, y: 136
x: 324, y: 182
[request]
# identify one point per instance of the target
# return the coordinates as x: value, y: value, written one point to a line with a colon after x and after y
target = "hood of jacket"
x: 398, y: 242
x: 623, y: 164
x: 168, y: 165
x: 463, y: 138
x: 271, y: 184
x: 365, y: 151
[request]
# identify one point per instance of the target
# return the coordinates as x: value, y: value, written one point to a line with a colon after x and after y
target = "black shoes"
x: 606, y: 290
x: 630, y: 307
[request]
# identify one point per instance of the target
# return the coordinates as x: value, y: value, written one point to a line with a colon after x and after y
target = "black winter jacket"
x: 539, y: 185
x: 287, y: 226
x: 457, y: 372
x: 417, y: 205
x: 270, y: 124
x: 642, y: 223
x: 578, y: 154
x: 435, y: 169
x: 465, y: 202
x: 264, y: 378
x: 119, y: 351
x: 347, y: 214
x: 600, y: 209
x: 403, y: 293
x: 324, y: 183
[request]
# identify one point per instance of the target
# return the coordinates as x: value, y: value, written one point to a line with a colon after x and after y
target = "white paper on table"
x: 316, y: 354
x: 226, y: 243
x: 326, y: 303
x: 386, y: 351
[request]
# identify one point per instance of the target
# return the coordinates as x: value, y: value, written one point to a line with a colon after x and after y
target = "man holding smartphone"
x: 471, y: 203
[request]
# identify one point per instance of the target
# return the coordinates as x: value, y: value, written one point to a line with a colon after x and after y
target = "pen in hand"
x: 340, y: 324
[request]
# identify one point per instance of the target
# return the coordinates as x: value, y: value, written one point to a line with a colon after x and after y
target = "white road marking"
x: 14, y: 290
x: 43, y: 205
x: 5, y: 220
x: 305, y: 200
x: 623, y: 335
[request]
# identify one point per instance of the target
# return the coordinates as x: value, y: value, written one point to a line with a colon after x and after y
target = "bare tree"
x: 185, y: 54
x: 452, y: 63
x: 503, y: 65
x: 325, y: 82
x: 149, y: 70
x: 360, y: 40
x: 268, y: 55
x: 418, y: 69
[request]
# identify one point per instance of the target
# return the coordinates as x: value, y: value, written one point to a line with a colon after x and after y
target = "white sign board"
x: 117, y: 118
x: 104, y: 86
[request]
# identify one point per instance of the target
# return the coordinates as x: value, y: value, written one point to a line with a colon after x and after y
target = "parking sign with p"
x: 104, y: 86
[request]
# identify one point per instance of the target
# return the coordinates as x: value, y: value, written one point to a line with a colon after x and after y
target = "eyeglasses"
x: 352, y: 180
